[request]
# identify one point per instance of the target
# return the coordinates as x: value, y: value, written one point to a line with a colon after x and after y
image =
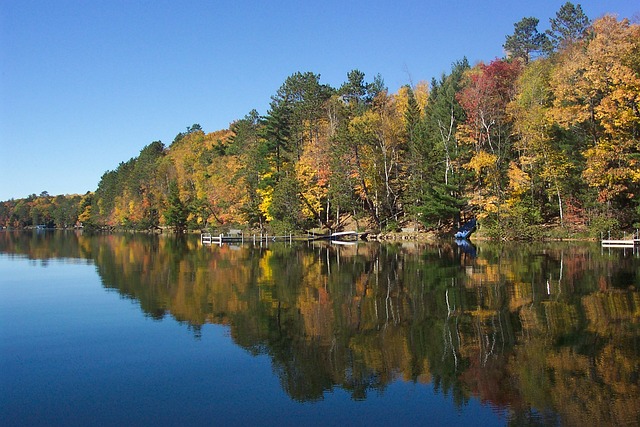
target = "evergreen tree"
x: 277, y: 134
x: 525, y: 40
x: 247, y: 143
x: 416, y: 144
x: 176, y: 212
x: 569, y: 26
x: 440, y: 197
x: 285, y: 208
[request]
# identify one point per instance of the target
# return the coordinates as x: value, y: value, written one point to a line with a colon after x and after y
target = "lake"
x: 133, y: 329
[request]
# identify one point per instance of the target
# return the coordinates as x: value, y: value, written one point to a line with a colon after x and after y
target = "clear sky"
x: 87, y: 84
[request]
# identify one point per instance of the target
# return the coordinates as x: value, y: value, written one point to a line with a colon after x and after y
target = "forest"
x: 544, y: 142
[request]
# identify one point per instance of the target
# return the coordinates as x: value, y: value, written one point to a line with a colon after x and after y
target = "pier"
x: 624, y: 243
x: 632, y: 242
x: 209, y: 239
x: 237, y: 236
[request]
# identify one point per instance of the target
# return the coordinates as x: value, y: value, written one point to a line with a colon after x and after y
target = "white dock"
x: 209, y: 239
x: 623, y: 243
x: 633, y: 241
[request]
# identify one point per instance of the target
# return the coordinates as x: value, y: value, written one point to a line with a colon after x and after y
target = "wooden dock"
x: 340, y: 236
x: 236, y: 236
x: 209, y: 239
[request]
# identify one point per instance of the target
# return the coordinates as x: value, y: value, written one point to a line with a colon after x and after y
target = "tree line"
x: 545, y: 138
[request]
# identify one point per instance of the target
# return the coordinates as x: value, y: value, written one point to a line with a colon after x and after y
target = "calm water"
x: 148, y: 330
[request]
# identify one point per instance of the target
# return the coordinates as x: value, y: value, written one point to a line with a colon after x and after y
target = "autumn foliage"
x: 548, y: 135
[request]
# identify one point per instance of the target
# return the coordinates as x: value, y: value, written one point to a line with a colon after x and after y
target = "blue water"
x: 74, y: 353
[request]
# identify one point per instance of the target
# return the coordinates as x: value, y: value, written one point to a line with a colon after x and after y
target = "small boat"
x: 465, y: 231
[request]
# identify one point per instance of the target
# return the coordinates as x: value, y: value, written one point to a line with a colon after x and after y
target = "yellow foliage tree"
x: 379, y: 137
x: 597, y: 85
x: 312, y: 192
x: 537, y: 152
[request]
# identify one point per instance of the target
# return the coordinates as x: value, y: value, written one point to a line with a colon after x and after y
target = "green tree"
x: 194, y: 128
x: 358, y: 94
x: 569, y: 26
x: 306, y: 98
x: 277, y: 134
x: 441, y: 152
x: 526, y: 41
x: 416, y: 134
x: 246, y: 142
x: 176, y: 212
x: 143, y: 185
x: 285, y: 208
x: 427, y: 197
x: 354, y: 90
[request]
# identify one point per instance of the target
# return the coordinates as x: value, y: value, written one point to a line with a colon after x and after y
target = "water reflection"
x: 548, y: 332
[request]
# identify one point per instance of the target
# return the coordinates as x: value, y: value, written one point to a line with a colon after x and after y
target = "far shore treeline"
x: 544, y: 142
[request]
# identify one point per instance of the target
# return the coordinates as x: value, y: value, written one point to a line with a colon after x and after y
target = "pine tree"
x: 525, y: 40
x: 569, y: 26
x: 176, y: 213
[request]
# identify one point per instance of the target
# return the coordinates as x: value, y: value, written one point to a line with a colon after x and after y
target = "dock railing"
x: 237, y: 236
x: 632, y: 241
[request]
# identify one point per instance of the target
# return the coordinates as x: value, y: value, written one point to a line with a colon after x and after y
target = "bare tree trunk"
x: 560, y: 206
x: 445, y: 142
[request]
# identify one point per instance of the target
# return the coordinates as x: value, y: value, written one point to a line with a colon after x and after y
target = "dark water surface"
x: 154, y: 330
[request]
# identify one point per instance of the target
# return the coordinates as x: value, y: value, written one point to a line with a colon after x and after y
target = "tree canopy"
x: 548, y: 135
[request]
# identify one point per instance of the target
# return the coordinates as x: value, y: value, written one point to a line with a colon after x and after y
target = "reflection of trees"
x: 548, y: 331
x: 581, y: 358
x: 45, y: 245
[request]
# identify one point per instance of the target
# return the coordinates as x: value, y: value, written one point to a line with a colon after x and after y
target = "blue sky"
x: 85, y: 85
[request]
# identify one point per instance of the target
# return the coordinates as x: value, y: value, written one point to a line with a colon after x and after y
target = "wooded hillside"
x: 547, y: 136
